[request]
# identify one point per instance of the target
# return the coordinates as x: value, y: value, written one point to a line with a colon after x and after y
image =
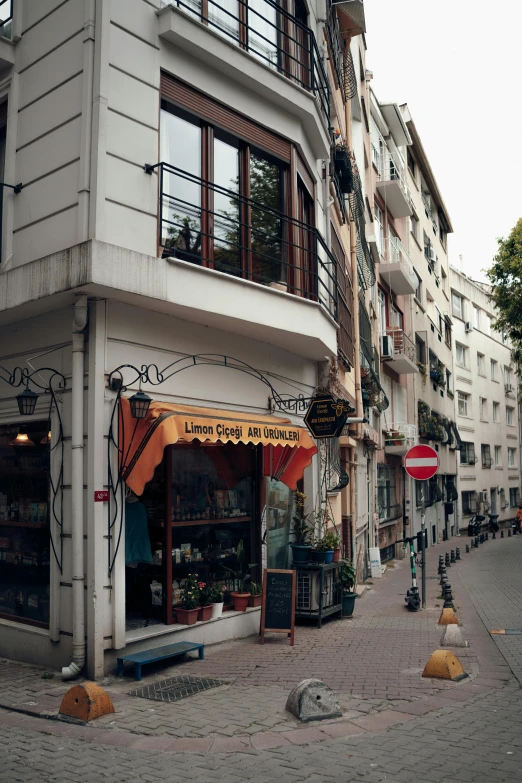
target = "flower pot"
x: 240, y: 601
x: 328, y: 556
x: 300, y: 553
x: 348, y: 603
x: 317, y: 557
x: 255, y: 600
x: 205, y: 612
x: 217, y: 610
x: 187, y: 616
x: 337, y: 555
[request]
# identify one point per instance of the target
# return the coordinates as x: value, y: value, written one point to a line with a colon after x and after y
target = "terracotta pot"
x: 204, y: 612
x: 187, y: 616
x: 240, y: 601
x: 337, y: 555
x: 255, y: 600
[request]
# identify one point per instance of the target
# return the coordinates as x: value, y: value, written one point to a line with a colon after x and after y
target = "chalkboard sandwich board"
x: 278, y: 607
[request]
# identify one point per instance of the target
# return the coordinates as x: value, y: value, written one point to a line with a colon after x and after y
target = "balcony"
x: 399, y: 438
x: 243, y: 238
x: 398, y: 351
x: 398, y: 272
x: 391, y: 184
x: 260, y: 28
x: 351, y: 16
x: 509, y: 389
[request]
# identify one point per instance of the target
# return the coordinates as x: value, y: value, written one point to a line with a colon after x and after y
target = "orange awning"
x: 144, y: 441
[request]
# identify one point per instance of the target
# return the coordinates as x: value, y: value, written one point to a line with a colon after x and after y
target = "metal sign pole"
x: 423, y: 549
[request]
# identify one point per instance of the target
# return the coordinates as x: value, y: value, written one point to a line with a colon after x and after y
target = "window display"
x: 24, y: 523
x: 199, y: 506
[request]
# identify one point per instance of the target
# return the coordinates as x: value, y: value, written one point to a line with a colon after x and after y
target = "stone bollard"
x: 452, y: 558
x: 313, y: 700
x: 457, y: 553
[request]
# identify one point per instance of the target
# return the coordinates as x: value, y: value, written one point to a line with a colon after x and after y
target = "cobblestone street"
x: 395, y: 726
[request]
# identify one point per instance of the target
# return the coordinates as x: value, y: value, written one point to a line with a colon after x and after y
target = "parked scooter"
x: 475, y: 524
x: 493, y: 526
x: 412, y: 595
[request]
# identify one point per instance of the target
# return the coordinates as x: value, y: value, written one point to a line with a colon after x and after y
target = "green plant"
x: 255, y: 588
x: 424, y: 418
x: 215, y: 594
x: 242, y: 574
x: 301, y: 528
x: 190, y: 598
x: 348, y: 576
x: 328, y: 542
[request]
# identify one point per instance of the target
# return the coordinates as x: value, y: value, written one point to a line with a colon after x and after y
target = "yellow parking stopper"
x: 86, y: 702
x: 448, y: 617
x: 444, y: 665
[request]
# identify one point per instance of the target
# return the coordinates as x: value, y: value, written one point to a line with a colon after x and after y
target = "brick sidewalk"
x: 373, y: 661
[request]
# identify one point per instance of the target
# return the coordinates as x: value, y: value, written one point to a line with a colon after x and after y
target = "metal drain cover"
x: 177, y: 688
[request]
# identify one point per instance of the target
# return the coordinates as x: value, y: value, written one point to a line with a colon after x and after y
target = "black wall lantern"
x: 27, y: 402
x: 139, y: 405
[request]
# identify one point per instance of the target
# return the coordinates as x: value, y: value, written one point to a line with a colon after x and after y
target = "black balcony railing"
x: 272, y: 35
x: 212, y: 226
x: 487, y: 461
x: 390, y: 513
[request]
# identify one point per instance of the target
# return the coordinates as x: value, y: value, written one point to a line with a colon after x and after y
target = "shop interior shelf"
x: 33, y: 526
x: 192, y: 522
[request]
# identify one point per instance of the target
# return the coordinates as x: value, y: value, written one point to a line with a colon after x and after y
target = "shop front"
x: 207, y: 492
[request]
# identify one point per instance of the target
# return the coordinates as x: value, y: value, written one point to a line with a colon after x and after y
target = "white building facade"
x: 486, y: 406
x: 180, y: 209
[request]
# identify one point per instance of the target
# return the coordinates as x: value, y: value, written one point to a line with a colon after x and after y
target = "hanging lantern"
x: 26, y: 402
x: 139, y: 405
x: 22, y: 439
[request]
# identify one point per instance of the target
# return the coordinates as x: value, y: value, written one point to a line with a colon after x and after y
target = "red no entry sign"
x: 421, y: 462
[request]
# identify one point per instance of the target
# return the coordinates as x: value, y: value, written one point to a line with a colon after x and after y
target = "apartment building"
x: 433, y: 389
x: 394, y: 291
x: 178, y: 261
x: 486, y: 406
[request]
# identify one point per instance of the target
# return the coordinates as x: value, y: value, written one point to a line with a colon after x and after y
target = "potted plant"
x: 322, y: 550
x: 188, y: 613
x: 302, y: 531
x: 205, y: 604
x: 256, y: 594
x: 240, y: 597
x: 348, y: 578
x: 215, y: 596
x: 332, y: 542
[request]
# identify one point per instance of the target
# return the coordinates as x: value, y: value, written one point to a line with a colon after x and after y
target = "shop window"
x: 24, y: 523
x: 201, y: 503
x: 280, y: 510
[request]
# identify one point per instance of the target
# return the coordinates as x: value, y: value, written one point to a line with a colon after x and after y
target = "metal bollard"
x: 457, y: 553
x: 501, y: 534
x: 467, y: 549
x: 486, y: 536
x: 477, y: 542
x: 447, y: 562
x: 452, y: 558
x: 482, y: 538
x: 494, y: 536
x: 509, y: 532
x: 448, y: 597
x: 441, y: 564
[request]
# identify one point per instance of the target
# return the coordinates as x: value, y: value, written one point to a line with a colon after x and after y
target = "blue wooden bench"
x: 159, y: 654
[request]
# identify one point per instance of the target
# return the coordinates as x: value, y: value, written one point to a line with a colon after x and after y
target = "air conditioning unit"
x: 386, y: 347
x: 367, y: 433
x: 509, y: 388
x: 309, y: 590
x: 483, y: 496
x: 431, y: 254
x: 468, y: 326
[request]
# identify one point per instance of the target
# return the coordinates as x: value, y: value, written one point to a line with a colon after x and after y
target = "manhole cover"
x: 177, y: 688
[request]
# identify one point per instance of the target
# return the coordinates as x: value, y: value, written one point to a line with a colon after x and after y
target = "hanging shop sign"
x: 278, y: 607
x: 326, y: 417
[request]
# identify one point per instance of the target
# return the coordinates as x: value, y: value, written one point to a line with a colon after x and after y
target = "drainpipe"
x: 78, y: 575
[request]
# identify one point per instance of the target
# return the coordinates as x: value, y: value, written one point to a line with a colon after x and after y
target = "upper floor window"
x: 496, y: 408
x: 512, y: 457
x: 507, y: 374
x: 498, y: 456
x: 379, y: 228
x: 494, y: 370
x: 481, y: 368
x: 449, y: 382
x: 411, y: 164
x: 510, y: 416
x: 476, y: 317
x: 418, y: 290
x: 467, y: 453
x: 483, y: 409
x: 457, y: 305
x: 463, y: 407
x: 461, y: 355
x: 414, y: 226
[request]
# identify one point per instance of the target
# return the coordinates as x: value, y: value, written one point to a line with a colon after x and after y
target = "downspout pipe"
x: 77, y: 451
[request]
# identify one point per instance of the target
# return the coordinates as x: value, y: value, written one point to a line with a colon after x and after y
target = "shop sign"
x: 278, y: 606
x: 326, y: 417
x: 101, y: 496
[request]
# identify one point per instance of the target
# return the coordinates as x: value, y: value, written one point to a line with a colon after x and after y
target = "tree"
x: 505, y: 277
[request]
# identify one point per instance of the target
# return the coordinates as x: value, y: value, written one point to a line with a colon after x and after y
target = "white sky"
x: 458, y: 66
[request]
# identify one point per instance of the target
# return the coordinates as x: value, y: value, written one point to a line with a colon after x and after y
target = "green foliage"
x: 255, y: 588
x: 242, y: 574
x: 302, y: 530
x: 505, y: 277
x: 215, y: 594
x: 348, y: 576
x: 328, y: 542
